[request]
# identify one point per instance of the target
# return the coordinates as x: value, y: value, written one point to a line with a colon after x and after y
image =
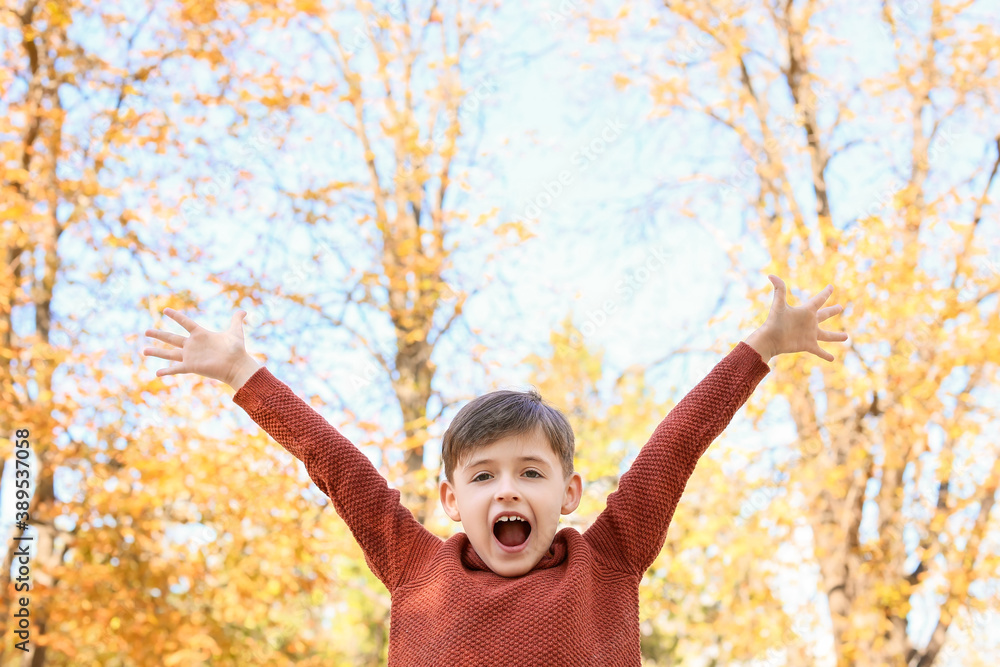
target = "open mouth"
x: 512, y: 533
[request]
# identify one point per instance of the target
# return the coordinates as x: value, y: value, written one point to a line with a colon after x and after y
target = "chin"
x: 515, y: 569
x: 514, y: 572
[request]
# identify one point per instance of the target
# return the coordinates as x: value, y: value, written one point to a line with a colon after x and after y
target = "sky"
x: 537, y: 115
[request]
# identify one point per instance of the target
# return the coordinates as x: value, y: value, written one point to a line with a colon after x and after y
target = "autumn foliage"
x: 855, y: 147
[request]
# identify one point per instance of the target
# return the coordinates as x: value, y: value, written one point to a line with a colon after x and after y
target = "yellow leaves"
x: 199, y: 11
x: 483, y: 218
x: 959, y: 581
x: 893, y: 595
x: 17, y: 175
x: 602, y: 28
x: 62, y: 643
x: 516, y: 228
x: 194, y: 654
x: 312, y: 7
x: 415, y: 336
x: 57, y: 14
x: 113, y: 241
x: 944, y: 32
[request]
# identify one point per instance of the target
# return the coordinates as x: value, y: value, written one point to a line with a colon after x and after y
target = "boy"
x: 509, y: 590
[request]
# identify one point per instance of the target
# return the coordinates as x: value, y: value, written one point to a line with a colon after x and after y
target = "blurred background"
x: 419, y: 202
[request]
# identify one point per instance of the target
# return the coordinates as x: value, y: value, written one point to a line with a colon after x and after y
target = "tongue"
x: 512, y: 533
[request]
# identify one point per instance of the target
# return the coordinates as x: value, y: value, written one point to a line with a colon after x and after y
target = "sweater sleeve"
x: 385, y: 529
x: 632, y: 529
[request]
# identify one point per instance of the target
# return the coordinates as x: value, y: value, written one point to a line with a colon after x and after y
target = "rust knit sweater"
x: 579, y: 605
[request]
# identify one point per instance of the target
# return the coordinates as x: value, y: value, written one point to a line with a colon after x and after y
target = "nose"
x: 507, y: 489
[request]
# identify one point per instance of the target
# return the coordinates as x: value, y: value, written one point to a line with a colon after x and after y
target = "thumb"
x: 779, y: 290
x: 237, y: 323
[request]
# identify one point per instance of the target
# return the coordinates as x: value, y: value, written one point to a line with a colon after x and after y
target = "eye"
x: 536, y: 472
x: 476, y: 478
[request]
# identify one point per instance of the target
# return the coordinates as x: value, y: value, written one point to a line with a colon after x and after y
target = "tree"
x: 805, y: 114
x: 52, y: 181
x: 148, y: 534
x: 403, y: 110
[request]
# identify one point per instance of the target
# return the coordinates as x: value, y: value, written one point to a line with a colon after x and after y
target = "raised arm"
x: 633, y: 527
x: 386, y: 531
x: 384, y: 528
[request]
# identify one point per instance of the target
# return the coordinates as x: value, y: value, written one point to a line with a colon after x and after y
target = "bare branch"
x: 978, y: 214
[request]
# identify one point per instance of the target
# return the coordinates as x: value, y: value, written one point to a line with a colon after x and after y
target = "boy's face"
x: 504, y: 478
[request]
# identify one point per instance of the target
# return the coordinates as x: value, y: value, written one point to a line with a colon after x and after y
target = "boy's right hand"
x: 220, y: 355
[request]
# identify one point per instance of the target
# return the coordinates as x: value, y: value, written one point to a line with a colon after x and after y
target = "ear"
x: 448, y: 501
x: 574, y: 492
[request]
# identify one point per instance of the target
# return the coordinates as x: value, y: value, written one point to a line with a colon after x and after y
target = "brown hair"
x: 499, y: 414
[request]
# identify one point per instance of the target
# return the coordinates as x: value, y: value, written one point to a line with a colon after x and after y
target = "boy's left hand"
x: 791, y: 329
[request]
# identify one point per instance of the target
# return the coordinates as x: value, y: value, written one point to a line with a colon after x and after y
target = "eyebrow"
x: 533, y: 459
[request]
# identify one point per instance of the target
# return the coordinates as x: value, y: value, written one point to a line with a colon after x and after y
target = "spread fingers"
x: 166, y: 337
x: 828, y: 312
x: 831, y: 336
x: 172, y: 355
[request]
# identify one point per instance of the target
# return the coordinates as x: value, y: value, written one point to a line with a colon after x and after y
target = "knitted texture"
x: 580, y: 603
